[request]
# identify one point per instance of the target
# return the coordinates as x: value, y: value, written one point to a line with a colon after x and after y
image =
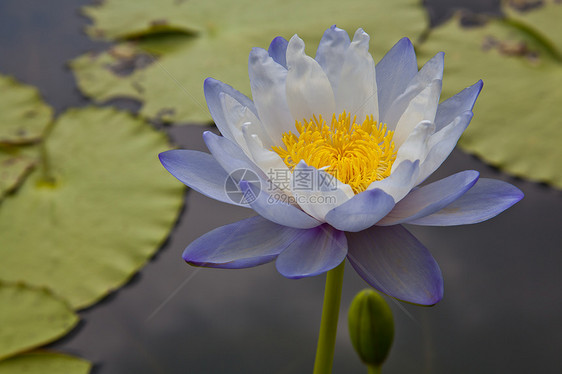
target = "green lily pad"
x: 126, y: 19
x: 545, y: 21
x: 518, y: 117
x: 31, y: 317
x: 23, y: 114
x: 166, y: 72
x: 13, y: 171
x: 110, y: 207
x: 44, y: 363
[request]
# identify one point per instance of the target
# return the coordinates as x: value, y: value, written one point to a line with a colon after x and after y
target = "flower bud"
x: 371, y: 327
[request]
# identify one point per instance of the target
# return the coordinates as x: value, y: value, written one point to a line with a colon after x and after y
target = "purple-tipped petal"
x: 318, y: 250
x: 250, y: 242
x: 331, y: 53
x: 452, y: 107
x: 267, y: 81
x: 430, y: 72
x: 431, y: 198
x: 270, y: 208
x: 278, y: 50
x: 487, y: 199
x: 361, y: 211
x: 229, y: 155
x: 213, y: 88
x: 394, y: 262
x: 394, y: 72
x: 197, y: 170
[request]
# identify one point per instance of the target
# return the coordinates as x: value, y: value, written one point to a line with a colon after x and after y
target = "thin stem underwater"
x: 329, y: 322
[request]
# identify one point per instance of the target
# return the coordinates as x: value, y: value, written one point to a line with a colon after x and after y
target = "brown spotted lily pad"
x: 518, y: 117
x: 24, y: 116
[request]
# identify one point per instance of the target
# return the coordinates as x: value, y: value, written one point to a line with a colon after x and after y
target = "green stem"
x: 371, y: 369
x: 329, y: 322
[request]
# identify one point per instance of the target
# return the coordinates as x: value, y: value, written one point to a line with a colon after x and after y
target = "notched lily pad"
x: 171, y: 87
x: 31, y: 317
x: 23, y: 114
x: 518, y: 117
x: 13, y: 171
x: 115, y: 19
x: 110, y: 207
x: 544, y: 21
x: 44, y: 363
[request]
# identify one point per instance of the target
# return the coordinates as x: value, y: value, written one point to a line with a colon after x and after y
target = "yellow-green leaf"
x: 44, y: 363
x: 518, y: 117
x: 166, y: 71
x: 23, y: 114
x: 31, y: 317
x: 109, y: 209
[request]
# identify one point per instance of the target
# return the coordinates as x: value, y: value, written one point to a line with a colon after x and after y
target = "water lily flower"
x: 367, y: 135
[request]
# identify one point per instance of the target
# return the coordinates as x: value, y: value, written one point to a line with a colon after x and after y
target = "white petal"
x: 422, y: 108
x: 357, y: 89
x: 266, y: 159
x: 267, y: 81
x: 416, y: 146
x: 318, y: 192
x: 331, y: 53
x: 237, y: 116
x: 400, y: 181
x: 308, y: 89
x: 213, y: 90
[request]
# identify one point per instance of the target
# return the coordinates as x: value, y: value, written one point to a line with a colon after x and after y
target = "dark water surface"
x: 500, y: 314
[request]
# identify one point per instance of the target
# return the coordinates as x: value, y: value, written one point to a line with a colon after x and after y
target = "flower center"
x: 355, y: 154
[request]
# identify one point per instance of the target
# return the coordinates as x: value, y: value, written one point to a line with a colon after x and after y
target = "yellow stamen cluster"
x: 355, y: 154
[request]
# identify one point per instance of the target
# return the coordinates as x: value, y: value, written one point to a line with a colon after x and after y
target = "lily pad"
x: 13, y: 171
x: 166, y: 72
x: 545, y: 21
x: 31, y: 317
x: 518, y: 117
x: 129, y: 19
x: 44, y: 363
x: 110, y: 207
x: 23, y: 114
